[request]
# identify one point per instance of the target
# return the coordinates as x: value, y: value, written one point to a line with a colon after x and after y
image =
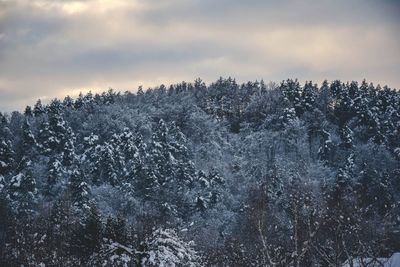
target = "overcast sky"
x: 61, y: 47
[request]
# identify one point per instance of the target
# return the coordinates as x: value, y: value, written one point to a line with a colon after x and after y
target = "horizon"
x: 47, y: 100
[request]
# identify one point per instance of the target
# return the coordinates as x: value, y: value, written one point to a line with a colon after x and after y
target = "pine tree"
x: 38, y: 109
x: 87, y: 236
x: 182, y: 165
x: 165, y: 248
x: 327, y: 148
x: 292, y: 92
x: 115, y: 230
x: 106, y: 166
x: 160, y: 154
x: 55, y: 107
x: 113, y: 254
x: 59, y: 231
x: 79, y: 189
x: 143, y: 176
x: 55, y: 173
x: 59, y: 130
x: 308, y: 96
x: 68, y: 102
x: 6, y: 156
x: 22, y: 191
x: 46, y: 139
x: 28, y: 139
x: 68, y: 153
x: 6, y: 220
x: 93, y: 228
x: 209, y: 193
x: 28, y: 111
x: 346, y: 134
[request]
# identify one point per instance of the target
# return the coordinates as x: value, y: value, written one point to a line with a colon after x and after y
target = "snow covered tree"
x: 22, y: 191
x: 28, y: 111
x: 55, y: 173
x: 38, y: 109
x: 106, y: 165
x: 292, y: 92
x: 88, y: 236
x: 116, y: 230
x: 68, y: 153
x: 327, y: 148
x: 59, y: 130
x: 344, y: 104
x: 346, y: 134
x: 165, y: 248
x: 6, y: 156
x: 79, y: 189
x: 46, y: 139
x: 184, y: 167
x: 308, y: 96
x: 68, y: 102
x: 28, y: 139
x: 255, y: 174
x: 113, y: 254
x: 160, y: 154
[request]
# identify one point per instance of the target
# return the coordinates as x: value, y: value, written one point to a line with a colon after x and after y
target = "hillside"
x: 224, y: 174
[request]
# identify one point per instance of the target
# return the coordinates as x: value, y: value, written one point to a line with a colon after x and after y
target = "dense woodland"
x: 224, y: 174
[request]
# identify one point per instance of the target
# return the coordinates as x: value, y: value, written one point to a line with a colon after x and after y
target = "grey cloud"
x: 261, y: 13
x: 48, y: 49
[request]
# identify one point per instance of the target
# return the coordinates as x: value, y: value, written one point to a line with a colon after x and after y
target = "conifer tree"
x: 28, y: 139
x: 79, y: 189
x: 23, y: 191
x: 6, y: 156
x: 165, y: 248
x: 38, y: 109
x: 28, y: 111
x: 55, y: 173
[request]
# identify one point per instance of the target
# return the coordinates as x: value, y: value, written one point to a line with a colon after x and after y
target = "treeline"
x: 227, y: 174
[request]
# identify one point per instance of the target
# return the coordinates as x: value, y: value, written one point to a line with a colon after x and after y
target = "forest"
x: 196, y: 174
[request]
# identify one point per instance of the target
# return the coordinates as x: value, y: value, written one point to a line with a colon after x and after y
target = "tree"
x: 28, y: 111
x: 106, y: 166
x: 79, y: 189
x: 38, y: 109
x: 87, y: 237
x: 46, y: 139
x: 55, y: 173
x: 22, y: 191
x: 165, y: 248
x: 292, y: 92
x: 28, y: 139
x: 113, y: 254
x: 6, y: 156
x: 115, y: 229
x: 309, y: 95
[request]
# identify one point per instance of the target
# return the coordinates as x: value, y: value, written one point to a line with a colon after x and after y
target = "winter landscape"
x: 285, y: 153
x: 189, y: 175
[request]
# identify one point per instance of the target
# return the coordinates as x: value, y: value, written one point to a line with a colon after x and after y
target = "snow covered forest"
x: 224, y: 174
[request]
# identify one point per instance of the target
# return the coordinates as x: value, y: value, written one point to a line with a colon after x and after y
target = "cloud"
x: 58, y: 47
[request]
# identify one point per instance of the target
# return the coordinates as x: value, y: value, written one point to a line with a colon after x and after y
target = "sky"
x: 54, y: 48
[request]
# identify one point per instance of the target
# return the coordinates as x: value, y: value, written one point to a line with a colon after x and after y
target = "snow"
x: 16, y: 180
x: 1, y: 182
x: 393, y: 261
x: 166, y: 249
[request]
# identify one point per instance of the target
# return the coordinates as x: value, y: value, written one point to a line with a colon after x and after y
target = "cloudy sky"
x: 54, y: 48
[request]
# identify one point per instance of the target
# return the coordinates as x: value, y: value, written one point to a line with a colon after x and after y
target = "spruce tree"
x: 23, y: 191
x: 79, y: 189
x: 38, y: 109
x: 6, y: 156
